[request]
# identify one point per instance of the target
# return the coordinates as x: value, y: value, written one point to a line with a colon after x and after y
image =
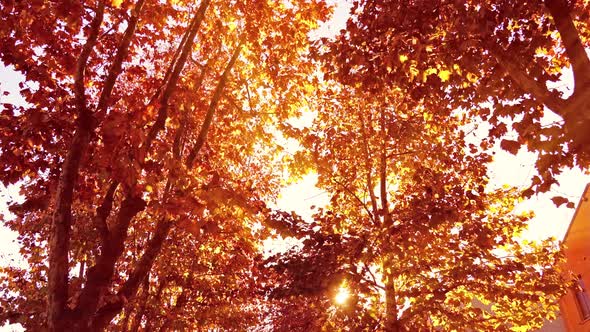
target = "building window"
x: 582, y: 299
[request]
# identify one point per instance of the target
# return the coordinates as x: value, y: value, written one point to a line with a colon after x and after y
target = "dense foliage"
x: 501, y: 61
x: 411, y: 229
x: 148, y: 147
x: 145, y: 151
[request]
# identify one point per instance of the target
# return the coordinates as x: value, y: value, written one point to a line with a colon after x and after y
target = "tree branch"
x: 99, y: 275
x: 79, y: 90
x: 355, y: 196
x: 57, y: 292
x: 571, y: 41
x: 527, y: 83
x: 103, y: 212
x: 178, y: 66
x: 140, y: 271
x: 369, y: 166
x: 120, y: 56
x: 143, y: 305
x: 213, y: 106
x: 383, y: 174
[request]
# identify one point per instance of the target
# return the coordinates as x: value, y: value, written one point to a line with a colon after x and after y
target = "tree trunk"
x: 391, y: 312
x: 106, y: 313
x: 57, y: 279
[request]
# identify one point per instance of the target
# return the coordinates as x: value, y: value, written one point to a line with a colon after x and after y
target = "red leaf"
x: 510, y: 146
x: 559, y: 200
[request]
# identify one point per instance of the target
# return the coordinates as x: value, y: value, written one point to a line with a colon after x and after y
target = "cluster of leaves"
x: 499, y: 61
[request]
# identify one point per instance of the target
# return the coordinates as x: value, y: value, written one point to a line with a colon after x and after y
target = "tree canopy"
x: 146, y: 139
x: 501, y: 61
x: 150, y: 144
x: 410, y: 222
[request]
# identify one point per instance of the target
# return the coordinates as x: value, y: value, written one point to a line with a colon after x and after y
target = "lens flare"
x: 342, y: 295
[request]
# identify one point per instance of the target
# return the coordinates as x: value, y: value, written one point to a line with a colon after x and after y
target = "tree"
x: 411, y: 229
x: 496, y: 60
x: 112, y: 152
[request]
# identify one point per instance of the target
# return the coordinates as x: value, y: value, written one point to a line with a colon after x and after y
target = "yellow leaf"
x: 430, y: 71
x: 427, y: 72
x: 471, y: 77
x: 232, y: 26
x: 309, y: 88
x: 457, y: 68
x: 116, y: 3
x: 444, y: 75
x: 149, y: 188
x: 403, y: 58
x: 413, y: 72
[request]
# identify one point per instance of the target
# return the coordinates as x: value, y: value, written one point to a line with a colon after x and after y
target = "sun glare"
x: 342, y: 295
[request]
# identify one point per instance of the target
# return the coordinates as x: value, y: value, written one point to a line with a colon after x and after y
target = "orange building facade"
x: 575, y: 305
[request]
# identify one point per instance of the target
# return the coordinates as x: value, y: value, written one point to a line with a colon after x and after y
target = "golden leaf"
x: 444, y: 75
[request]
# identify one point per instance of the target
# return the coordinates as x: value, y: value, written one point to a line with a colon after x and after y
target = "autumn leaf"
x: 513, y: 75
x: 444, y: 75
x: 560, y: 200
x: 510, y: 146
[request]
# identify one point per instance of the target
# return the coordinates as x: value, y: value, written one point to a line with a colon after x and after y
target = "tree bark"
x: 100, y: 275
x: 103, y: 212
x: 391, y: 312
x: 105, y: 314
x: 57, y: 288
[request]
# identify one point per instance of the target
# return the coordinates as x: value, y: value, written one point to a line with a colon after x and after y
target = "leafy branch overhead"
x: 150, y: 138
x: 498, y: 61
x: 141, y: 136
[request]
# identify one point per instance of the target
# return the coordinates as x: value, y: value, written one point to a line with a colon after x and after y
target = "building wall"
x: 577, y: 253
x: 557, y: 325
